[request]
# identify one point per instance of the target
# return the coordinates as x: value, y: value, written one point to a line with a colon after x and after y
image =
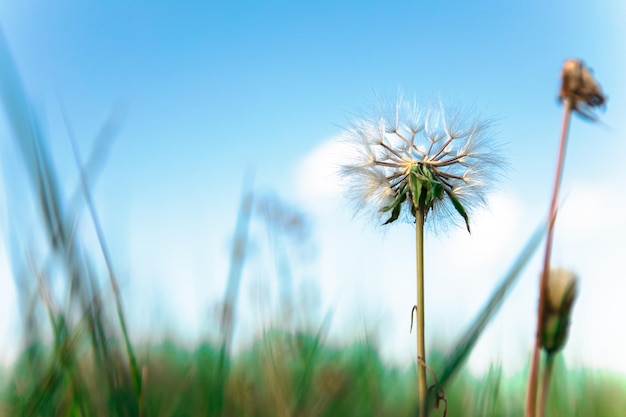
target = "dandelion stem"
x: 545, y: 384
x: 531, y: 398
x: 421, y: 346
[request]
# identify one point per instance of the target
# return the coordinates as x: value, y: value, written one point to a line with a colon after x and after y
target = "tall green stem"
x: 531, y: 398
x: 421, y: 346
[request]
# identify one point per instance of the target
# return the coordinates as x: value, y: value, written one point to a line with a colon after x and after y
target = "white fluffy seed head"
x: 456, y: 147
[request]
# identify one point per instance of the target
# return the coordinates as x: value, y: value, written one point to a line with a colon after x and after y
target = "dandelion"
x: 413, y: 165
x: 406, y: 162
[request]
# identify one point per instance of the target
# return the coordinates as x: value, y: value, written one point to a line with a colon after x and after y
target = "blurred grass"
x: 276, y: 377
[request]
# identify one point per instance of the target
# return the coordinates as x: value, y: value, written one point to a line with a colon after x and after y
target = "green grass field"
x: 283, y: 374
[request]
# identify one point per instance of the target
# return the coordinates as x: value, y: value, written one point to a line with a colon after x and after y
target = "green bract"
x: 423, y: 188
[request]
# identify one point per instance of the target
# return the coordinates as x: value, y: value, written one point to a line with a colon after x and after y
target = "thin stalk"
x: 230, y: 302
x: 421, y: 346
x: 545, y: 384
x: 531, y: 398
x: 134, y: 370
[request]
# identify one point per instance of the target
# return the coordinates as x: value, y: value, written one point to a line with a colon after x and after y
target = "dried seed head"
x: 579, y: 87
x: 562, y: 290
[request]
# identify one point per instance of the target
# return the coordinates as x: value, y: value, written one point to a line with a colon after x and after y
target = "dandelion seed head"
x: 451, y: 154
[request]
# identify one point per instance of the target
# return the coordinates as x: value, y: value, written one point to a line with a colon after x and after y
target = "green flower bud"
x: 562, y: 290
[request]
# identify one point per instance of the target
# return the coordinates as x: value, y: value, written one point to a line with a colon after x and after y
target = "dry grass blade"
x: 230, y: 299
x: 59, y: 227
x: 107, y: 259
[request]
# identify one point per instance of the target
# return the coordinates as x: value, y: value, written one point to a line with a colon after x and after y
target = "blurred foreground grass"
x: 283, y: 374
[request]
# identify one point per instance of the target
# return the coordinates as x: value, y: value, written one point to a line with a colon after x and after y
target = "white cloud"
x: 317, y: 175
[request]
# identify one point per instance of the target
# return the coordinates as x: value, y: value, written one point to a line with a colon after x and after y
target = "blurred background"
x: 210, y: 100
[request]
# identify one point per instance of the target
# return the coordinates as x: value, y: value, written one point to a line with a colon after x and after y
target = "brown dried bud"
x: 579, y: 87
x: 562, y: 290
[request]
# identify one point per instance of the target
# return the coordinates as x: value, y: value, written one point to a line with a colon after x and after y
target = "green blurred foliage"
x: 288, y: 374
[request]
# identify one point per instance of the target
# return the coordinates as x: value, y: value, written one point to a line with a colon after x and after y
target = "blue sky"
x: 211, y: 89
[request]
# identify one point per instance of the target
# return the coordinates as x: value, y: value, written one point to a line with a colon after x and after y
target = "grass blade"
x: 465, y: 345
